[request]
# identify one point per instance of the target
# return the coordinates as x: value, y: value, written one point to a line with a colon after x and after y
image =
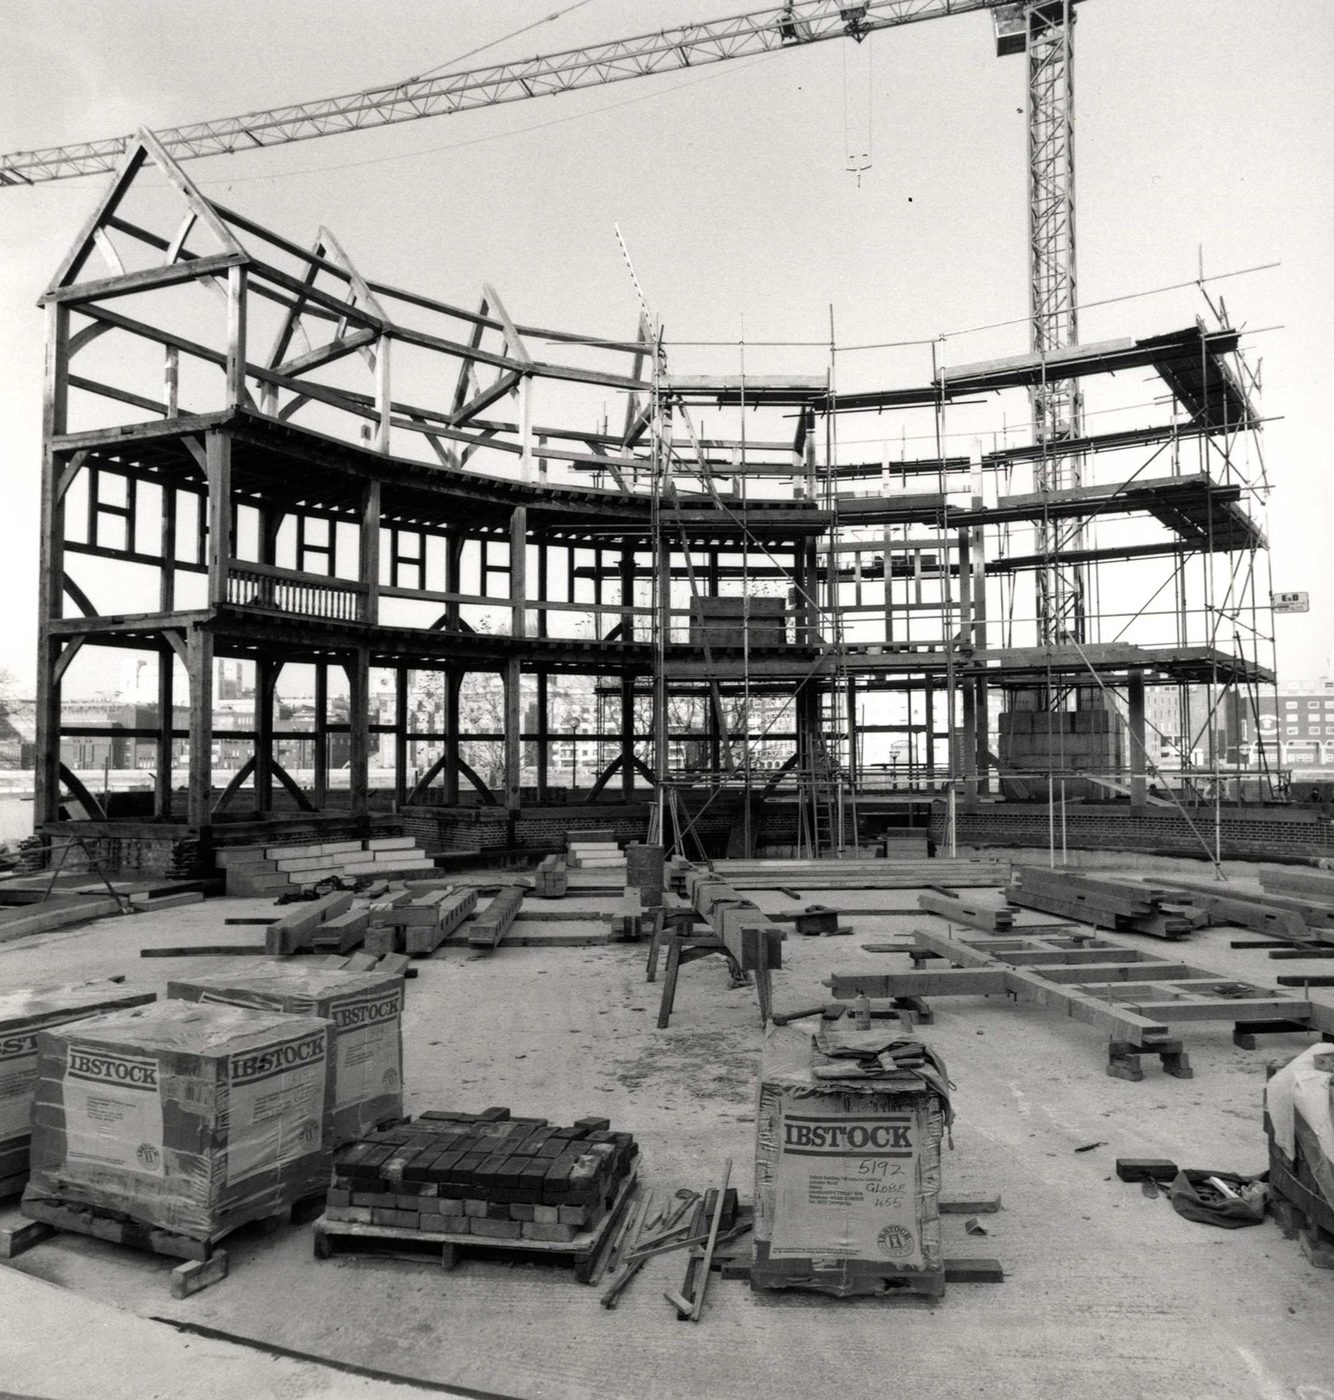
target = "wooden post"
x: 383, y: 396
x: 358, y: 719
x: 929, y: 701
x: 219, y: 459
x: 166, y: 714
x: 513, y: 741
x: 236, y: 336
x: 518, y: 569
x: 51, y: 575
x: 543, y: 737
x: 199, y: 651
x: 453, y: 574
x: 1138, y: 739
x: 453, y: 684
x: 266, y: 675
x: 369, y: 562
x: 401, y: 735
x: 167, y: 549
x: 627, y: 594
x: 627, y: 737
x: 320, y: 794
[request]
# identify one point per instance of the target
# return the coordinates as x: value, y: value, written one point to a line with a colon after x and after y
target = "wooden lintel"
x: 145, y: 279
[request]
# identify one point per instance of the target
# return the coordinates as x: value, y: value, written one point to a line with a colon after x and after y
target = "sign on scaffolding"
x: 1290, y: 602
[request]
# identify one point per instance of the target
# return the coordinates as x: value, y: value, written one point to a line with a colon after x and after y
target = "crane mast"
x: 1044, y: 31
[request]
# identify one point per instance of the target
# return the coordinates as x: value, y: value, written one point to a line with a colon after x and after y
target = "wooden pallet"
x: 582, y: 1254
x: 1132, y: 995
x: 205, y: 1262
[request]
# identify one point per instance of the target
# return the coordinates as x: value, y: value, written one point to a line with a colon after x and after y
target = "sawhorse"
x: 674, y: 926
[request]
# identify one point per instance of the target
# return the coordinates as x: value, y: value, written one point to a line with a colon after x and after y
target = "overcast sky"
x: 1200, y: 124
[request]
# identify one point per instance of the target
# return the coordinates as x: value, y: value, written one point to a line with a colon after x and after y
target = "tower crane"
x: 1042, y: 30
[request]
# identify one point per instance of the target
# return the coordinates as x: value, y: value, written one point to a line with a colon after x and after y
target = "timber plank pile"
x: 416, y: 924
x: 448, y: 1182
x: 1282, y: 916
x: 1103, y: 902
x: 860, y: 874
x: 1133, y: 996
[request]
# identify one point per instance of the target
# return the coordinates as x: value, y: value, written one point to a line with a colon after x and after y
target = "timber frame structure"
x: 222, y: 420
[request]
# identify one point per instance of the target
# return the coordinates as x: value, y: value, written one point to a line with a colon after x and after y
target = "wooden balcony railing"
x: 287, y: 591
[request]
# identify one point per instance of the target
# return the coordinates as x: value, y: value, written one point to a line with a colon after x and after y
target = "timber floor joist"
x: 1135, y: 998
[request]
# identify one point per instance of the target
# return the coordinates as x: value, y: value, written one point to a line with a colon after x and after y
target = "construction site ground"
x: 1107, y: 1293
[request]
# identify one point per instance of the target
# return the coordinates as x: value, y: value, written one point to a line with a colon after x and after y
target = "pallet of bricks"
x: 167, y: 1127
x: 1299, y: 1125
x: 1104, y: 902
x: 272, y: 870
x: 449, y: 1183
x: 365, y: 1014
x: 23, y: 1014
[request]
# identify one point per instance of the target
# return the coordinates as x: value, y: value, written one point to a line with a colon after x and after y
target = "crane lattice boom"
x: 669, y: 50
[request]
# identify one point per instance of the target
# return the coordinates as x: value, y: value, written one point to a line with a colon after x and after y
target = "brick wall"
x: 1261, y: 835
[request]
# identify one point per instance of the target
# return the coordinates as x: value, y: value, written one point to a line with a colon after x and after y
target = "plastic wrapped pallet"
x: 22, y: 1015
x: 847, y: 1177
x: 366, y: 1009
x: 1299, y: 1122
x: 190, y: 1118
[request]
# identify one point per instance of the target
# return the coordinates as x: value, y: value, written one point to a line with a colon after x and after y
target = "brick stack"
x: 487, y: 1175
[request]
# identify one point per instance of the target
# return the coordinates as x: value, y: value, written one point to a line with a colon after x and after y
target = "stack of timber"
x: 295, y: 930
x: 1279, y: 915
x: 1103, y: 902
x: 447, y: 1182
x: 22, y: 1015
x: 860, y: 874
x: 166, y: 1127
x: 550, y: 880
x: 493, y: 923
x: 975, y: 913
x: 594, y: 850
x: 401, y: 922
x: 1316, y: 885
x: 269, y: 870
